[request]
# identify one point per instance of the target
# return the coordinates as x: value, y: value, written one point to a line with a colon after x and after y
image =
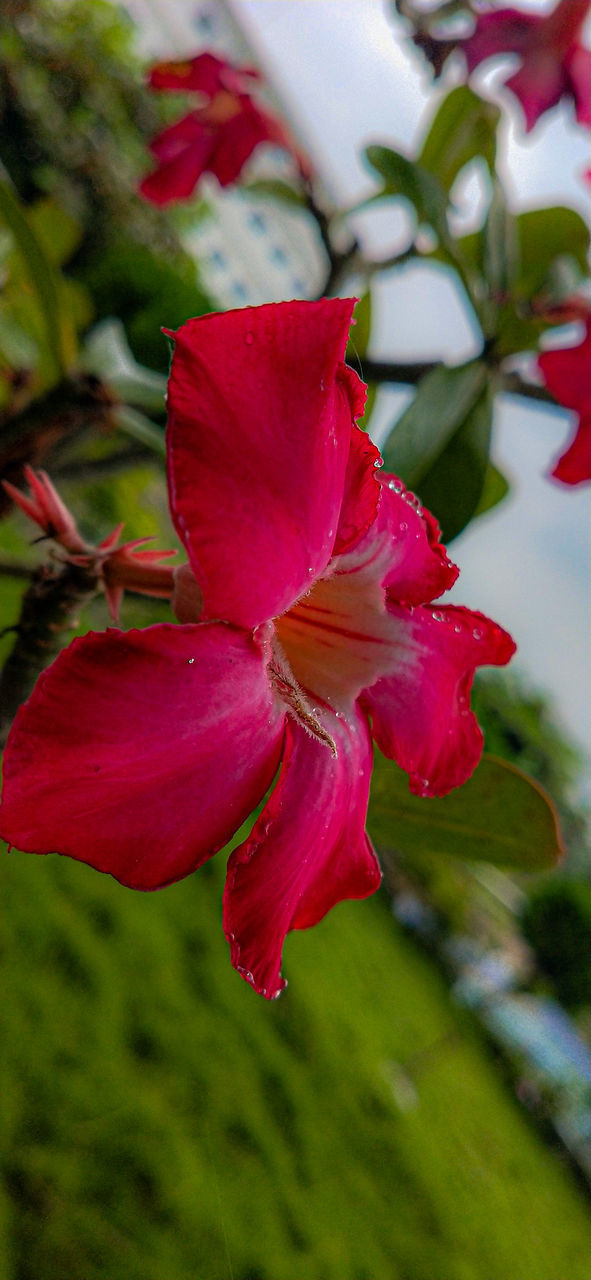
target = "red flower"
x: 554, y: 64
x: 567, y: 374
x: 217, y: 137
x: 307, y: 626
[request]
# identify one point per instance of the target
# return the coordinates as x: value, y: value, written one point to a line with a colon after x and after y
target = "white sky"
x: 340, y: 67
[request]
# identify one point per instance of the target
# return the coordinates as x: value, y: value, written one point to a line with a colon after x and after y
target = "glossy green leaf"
x: 463, y: 128
x: 494, y: 489
x: 41, y: 274
x: 452, y: 489
x: 441, y: 444
x: 403, y: 177
x: 443, y: 399
x: 499, y: 816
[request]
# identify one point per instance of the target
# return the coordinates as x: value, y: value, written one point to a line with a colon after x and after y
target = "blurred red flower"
x: 554, y: 64
x: 567, y: 374
x: 218, y: 136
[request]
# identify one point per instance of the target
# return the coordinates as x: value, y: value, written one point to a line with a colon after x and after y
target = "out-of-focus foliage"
x: 161, y: 1122
x: 77, y: 243
x: 74, y: 112
x: 519, y: 726
x: 511, y: 272
x: 556, y: 921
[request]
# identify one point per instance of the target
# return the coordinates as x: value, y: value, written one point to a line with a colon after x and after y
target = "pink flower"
x: 554, y: 64
x: 310, y: 584
x: 567, y: 374
x: 217, y: 137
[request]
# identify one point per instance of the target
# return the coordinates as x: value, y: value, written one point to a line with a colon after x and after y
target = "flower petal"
x: 506, y: 31
x: 142, y: 752
x: 538, y: 86
x: 339, y: 639
x: 574, y: 465
x: 420, y: 713
x: 206, y: 73
x: 567, y: 373
x: 362, y: 492
x: 258, y: 442
x: 184, y: 151
x: 307, y: 851
x: 237, y: 138
x: 578, y: 66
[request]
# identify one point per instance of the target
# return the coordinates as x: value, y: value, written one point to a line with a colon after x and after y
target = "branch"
x: 48, y: 613
x: 339, y: 260
x: 384, y: 371
x: 34, y: 433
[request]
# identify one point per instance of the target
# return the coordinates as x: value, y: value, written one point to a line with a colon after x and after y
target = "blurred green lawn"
x: 161, y: 1122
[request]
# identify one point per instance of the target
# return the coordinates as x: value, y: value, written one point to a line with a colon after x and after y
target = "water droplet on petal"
x: 190, y: 661
x: 477, y: 633
x: 378, y: 462
x: 437, y: 617
x: 403, y: 527
x: 458, y: 629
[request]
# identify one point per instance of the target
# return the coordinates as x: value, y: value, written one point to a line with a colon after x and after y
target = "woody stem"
x: 48, y: 613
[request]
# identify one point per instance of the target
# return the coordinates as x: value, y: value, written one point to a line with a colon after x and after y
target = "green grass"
x: 161, y: 1122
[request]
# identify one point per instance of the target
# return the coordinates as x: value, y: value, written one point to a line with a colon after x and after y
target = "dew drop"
x: 437, y: 617
x: 378, y: 462
x: 395, y: 486
x: 458, y: 629
x: 190, y: 661
x: 477, y: 633
x: 403, y: 527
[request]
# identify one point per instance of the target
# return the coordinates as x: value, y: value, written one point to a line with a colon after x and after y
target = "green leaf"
x: 463, y: 128
x: 443, y: 399
x: 58, y: 232
x: 42, y: 276
x: 403, y: 177
x: 543, y: 236
x: 107, y: 354
x: 494, y: 489
x: 372, y: 391
x: 500, y: 249
x: 277, y: 190
x: 140, y: 428
x: 500, y: 816
x: 361, y: 331
x: 440, y: 445
x: 452, y: 489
